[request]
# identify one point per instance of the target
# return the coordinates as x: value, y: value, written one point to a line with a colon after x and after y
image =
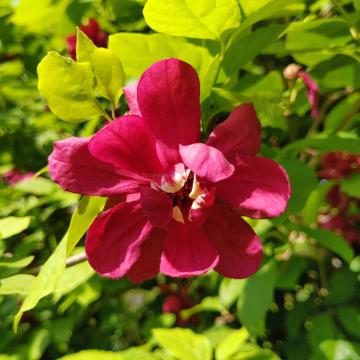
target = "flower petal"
x: 148, y: 264
x: 76, y: 170
x: 114, y: 239
x: 239, y: 134
x: 206, y: 162
x: 168, y: 97
x: 129, y: 145
x: 239, y: 248
x: 187, y: 251
x: 130, y: 92
x: 156, y: 205
x: 259, y: 187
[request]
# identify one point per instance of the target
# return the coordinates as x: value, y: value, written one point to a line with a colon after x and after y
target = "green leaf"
x: 244, y: 48
x: 349, y: 317
x: 269, y: 86
x: 10, y: 266
x: 324, y: 142
x: 309, y: 41
x: 37, y: 186
x: 107, y: 67
x: 290, y: 272
x: 84, y: 215
x: 207, y: 304
x: 231, y: 344
x: 351, y: 186
x: 202, y: 19
x: 73, y: 277
x: 210, y: 77
x: 356, y: 5
x: 269, y: 113
x: 339, y: 112
x: 17, y: 284
x: 271, y: 9
x: 229, y: 291
x: 51, y: 272
x: 256, y: 297
x: 12, y: 225
x: 320, y: 327
x: 93, y: 355
x: 184, y: 343
x: 342, y: 286
x: 340, y: 350
x: 303, y: 181
x: 331, y: 241
x: 38, y: 16
x: 315, y: 200
x: 138, y: 51
x: 68, y: 87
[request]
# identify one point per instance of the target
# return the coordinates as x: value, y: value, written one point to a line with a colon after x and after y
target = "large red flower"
x: 182, y: 200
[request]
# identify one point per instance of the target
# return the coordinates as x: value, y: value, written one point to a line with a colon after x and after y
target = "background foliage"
x: 304, y: 302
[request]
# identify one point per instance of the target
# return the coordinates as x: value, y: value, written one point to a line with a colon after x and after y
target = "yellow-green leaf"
x: 106, y: 66
x: 68, y: 87
x: 202, y: 19
x: 12, y: 225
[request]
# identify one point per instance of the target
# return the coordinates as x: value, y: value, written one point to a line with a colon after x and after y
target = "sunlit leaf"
x: 68, y: 87
x: 12, y: 225
x: 203, y: 19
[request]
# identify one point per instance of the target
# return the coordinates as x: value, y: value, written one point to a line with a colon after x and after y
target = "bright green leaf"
x: 73, y: 277
x: 202, y: 19
x: 184, y: 343
x: 139, y: 51
x: 106, y: 66
x: 68, y: 87
x: 37, y: 186
x: 256, y: 297
x: 331, y: 241
x: 12, y: 225
x: 229, y: 291
x: 207, y: 304
x: 309, y: 42
x: 50, y: 273
x: 93, y: 355
x: 10, y: 266
x: 17, y: 284
x: 340, y: 350
x: 232, y: 344
x: 303, y: 181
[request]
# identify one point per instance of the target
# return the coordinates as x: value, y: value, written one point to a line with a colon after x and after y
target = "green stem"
x: 107, y: 117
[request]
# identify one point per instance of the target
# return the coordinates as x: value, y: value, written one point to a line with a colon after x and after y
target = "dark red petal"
x: 168, y: 98
x: 187, y: 251
x: 114, y: 239
x: 156, y: 205
x: 206, y: 162
x: 239, y: 248
x: 148, y: 264
x: 239, y: 134
x: 73, y: 167
x: 259, y: 187
x: 129, y: 145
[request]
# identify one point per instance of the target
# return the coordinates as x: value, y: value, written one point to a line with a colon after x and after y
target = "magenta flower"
x: 176, y: 203
x: 14, y: 176
x: 93, y: 31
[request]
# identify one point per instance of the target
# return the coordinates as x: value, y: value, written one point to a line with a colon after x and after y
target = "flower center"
x: 189, y: 198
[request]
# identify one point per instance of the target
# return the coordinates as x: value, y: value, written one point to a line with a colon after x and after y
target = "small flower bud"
x: 291, y: 71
